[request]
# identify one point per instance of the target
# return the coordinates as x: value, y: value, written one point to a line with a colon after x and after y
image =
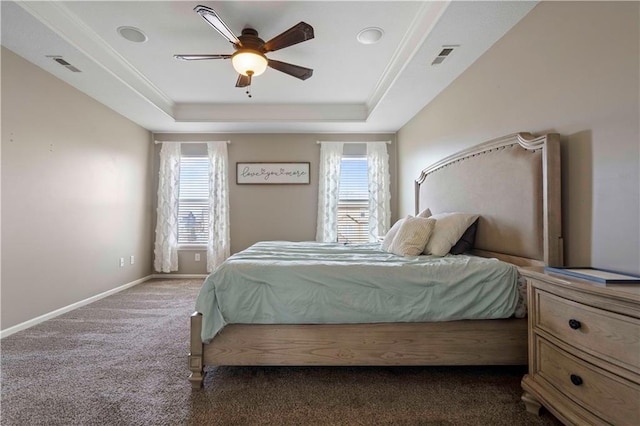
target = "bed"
x: 513, y: 185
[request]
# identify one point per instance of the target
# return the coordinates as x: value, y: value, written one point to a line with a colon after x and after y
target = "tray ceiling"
x: 354, y: 88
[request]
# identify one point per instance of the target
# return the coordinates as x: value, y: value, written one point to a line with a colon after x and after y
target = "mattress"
x: 280, y: 282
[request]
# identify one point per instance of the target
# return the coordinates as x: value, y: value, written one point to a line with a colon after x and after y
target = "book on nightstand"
x: 602, y: 276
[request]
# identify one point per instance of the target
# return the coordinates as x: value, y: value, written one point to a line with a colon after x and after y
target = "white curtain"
x: 218, y: 246
x: 328, y: 191
x: 166, y: 246
x: 379, y: 192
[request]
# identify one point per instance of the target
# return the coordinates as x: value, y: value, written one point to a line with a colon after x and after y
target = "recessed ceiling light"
x: 132, y: 34
x: 370, y: 35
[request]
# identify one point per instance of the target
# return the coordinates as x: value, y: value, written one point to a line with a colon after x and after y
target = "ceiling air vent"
x: 446, y: 51
x: 64, y: 63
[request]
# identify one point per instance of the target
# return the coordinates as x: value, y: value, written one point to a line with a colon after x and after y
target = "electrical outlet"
x: 197, y: 257
x: 121, y: 262
x: 133, y: 259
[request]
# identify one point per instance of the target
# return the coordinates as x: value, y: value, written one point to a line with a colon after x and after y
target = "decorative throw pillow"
x: 424, y: 213
x: 388, y: 238
x: 412, y: 236
x: 467, y: 241
x: 449, y: 228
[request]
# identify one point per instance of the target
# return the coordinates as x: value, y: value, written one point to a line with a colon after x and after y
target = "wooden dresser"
x: 584, y: 350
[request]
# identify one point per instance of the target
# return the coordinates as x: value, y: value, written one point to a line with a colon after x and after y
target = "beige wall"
x: 76, y: 195
x: 570, y: 68
x: 271, y: 212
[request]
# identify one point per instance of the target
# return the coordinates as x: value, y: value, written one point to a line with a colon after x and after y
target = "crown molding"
x: 270, y: 113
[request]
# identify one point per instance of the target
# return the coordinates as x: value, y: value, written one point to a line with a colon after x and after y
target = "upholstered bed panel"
x: 508, y: 217
x: 503, y: 182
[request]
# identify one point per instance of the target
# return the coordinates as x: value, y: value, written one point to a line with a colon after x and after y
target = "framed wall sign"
x: 272, y: 173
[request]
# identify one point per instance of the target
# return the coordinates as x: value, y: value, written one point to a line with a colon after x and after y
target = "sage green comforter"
x: 280, y: 282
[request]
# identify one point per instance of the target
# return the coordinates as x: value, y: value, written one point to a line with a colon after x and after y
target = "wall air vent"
x: 64, y: 63
x: 444, y: 53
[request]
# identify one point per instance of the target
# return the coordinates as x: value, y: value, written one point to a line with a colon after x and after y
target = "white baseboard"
x: 30, y: 323
x: 179, y: 276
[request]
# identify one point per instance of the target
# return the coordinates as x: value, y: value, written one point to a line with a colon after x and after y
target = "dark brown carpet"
x: 122, y: 361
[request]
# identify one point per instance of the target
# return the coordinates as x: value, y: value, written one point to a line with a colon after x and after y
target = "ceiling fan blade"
x: 243, y: 81
x: 294, y: 70
x: 216, y: 22
x: 200, y: 57
x: 294, y: 35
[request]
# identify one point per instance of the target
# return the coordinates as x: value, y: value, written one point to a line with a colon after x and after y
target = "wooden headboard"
x: 513, y: 183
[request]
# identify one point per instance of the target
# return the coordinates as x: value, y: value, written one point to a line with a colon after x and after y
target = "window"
x: 353, y: 200
x: 193, y: 201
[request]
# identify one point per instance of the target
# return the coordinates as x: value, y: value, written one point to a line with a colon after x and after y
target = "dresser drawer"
x: 613, y: 398
x: 609, y: 335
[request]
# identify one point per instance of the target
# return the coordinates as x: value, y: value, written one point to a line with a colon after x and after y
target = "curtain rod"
x: 319, y: 142
x: 157, y: 142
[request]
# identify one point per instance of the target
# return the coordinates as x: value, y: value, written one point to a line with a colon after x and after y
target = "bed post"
x: 553, y: 249
x: 551, y: 194
x: 196, y: 364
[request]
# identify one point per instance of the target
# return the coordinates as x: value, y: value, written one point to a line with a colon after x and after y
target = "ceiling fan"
x: 249, y: 60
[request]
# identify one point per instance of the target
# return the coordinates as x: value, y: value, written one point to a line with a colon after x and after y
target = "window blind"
x: 353, y: 204
x: 193, y: 202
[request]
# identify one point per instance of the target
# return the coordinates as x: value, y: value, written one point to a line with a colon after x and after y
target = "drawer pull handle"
x: 576, y: 380
x: 575, y: 324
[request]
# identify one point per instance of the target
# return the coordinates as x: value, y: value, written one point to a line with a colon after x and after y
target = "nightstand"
x: 584, y: 349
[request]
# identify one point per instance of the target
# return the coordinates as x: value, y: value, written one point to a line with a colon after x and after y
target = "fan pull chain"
x: 249, y: 75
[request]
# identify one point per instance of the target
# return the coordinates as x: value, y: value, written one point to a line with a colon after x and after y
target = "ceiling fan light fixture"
x: 248, y: 62
x: 249, y: 59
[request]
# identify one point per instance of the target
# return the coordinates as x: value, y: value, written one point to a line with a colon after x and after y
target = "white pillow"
x: 424, y: 213
x: 388, y: 238
x: 448, y: 230
x: 412, y: 236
